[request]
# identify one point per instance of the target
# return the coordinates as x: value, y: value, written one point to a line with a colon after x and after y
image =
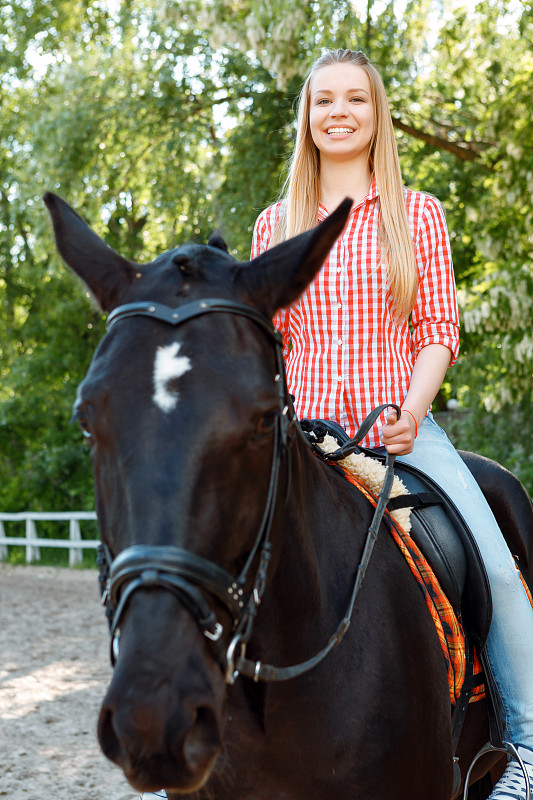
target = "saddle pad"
x: 449, y: 629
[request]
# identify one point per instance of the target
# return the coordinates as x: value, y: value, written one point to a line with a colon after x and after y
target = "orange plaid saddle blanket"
x: 449, y: 628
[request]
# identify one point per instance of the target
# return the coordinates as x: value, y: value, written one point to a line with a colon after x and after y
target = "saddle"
x: 446, y: 542
x: 444, y: 538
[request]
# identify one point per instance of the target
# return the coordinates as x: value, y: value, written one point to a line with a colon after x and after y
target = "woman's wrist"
x: 406, y: 411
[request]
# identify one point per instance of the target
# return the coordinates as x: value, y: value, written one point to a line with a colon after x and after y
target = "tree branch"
x: 440, y: 143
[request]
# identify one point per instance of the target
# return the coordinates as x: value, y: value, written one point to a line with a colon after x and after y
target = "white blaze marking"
x: 167, y: 367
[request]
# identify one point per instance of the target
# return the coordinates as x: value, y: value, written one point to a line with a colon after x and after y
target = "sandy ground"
x: 54, y: 669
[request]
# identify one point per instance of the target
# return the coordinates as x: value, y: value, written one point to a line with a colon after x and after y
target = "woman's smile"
x: 339, y: 131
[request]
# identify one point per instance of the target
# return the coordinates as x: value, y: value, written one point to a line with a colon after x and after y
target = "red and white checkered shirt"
x: 344, y: 350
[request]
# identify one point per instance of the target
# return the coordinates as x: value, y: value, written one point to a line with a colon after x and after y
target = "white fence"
x: 75, y: 544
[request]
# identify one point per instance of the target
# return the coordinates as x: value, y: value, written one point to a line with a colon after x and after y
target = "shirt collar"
x: 373, y: 192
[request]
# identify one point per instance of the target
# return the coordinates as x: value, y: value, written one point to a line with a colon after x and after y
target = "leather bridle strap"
x: 177, y: 316
x: 266, y: 672
x: 353, y: 445
x: 175, y: 561
x: 178, y: 570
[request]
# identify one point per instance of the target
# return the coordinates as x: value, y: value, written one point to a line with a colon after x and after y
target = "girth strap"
x: 419, y: 500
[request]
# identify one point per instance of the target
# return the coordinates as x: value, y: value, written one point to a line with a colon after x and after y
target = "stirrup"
x: 506, y: 747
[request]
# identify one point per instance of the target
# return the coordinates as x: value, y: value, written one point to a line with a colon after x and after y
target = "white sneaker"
x: 512, y: 784
x: 153, y: 795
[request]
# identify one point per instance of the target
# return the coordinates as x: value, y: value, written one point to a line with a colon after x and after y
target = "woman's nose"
x: 338, y: 109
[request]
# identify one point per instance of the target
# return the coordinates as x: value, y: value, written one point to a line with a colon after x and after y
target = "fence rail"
x: 75, y: 544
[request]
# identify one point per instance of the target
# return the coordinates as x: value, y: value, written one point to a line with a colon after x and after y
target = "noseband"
x: 189, y: 576
x: 180, y: 571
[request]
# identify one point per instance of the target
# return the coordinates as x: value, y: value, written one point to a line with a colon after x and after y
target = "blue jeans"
x: 510, y: 639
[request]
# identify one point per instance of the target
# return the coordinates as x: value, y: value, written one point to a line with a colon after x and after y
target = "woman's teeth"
x: 339, y: 131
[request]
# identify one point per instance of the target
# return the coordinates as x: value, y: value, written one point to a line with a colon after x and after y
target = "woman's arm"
x: 429, y: 370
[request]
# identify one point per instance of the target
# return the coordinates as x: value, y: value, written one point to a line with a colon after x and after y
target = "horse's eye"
x: 265, y: 425
x: 82, y: 422
x: 85, y: 429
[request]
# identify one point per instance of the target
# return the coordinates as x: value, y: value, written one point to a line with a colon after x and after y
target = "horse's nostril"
x: 202, y: 741
x: 107, y: 736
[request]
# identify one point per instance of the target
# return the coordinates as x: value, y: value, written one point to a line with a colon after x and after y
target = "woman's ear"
x: 277, y: 277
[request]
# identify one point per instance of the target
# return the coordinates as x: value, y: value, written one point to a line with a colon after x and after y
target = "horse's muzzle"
x: 162, y: 718
x: 177, y: 752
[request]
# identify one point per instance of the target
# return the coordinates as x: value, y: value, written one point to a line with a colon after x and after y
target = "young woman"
x: 379, y: 324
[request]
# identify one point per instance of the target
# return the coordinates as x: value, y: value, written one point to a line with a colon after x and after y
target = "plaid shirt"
x: 344, y: 350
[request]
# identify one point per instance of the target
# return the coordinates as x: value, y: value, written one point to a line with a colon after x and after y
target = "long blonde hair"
x: 301, y: 193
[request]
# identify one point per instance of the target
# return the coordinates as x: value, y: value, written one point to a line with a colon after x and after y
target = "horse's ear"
x: 216, y: 240
x: 105, y: 272
x: 277, y: 277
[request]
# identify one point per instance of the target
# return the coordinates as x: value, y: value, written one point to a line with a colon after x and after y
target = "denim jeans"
x: 510, y: 639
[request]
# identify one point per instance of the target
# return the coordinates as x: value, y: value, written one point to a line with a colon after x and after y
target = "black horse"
x: 234, y: 547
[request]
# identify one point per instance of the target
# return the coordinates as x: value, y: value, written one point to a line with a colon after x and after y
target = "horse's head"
x: 185, y: 410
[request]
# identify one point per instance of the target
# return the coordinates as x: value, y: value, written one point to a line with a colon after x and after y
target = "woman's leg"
x: 510, y: 639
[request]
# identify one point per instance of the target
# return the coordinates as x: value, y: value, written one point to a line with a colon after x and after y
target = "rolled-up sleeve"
x: 435, y: 317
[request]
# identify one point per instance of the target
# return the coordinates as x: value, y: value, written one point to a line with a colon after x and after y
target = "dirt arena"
x: 54, y: 669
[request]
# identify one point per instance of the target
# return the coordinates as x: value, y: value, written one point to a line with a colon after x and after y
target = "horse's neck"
x: 329, y: 504
x: 322, y: 529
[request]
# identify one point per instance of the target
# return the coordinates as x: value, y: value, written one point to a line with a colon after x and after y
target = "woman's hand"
x: 399, y: 435
x: 430, y: 367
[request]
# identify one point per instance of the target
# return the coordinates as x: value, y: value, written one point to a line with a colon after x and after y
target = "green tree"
x: 475, y: 107
x: 161, y: 121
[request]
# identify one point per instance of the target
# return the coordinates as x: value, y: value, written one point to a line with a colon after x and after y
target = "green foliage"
x: 43, y: 465
x: 162, y: 121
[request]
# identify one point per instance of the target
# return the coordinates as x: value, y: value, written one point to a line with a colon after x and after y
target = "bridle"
x: 180, y: 571
x: 191, y: 577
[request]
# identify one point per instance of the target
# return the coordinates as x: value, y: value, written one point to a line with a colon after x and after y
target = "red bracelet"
x: 413, y: 416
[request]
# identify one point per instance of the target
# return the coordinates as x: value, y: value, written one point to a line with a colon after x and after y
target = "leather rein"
x: 191, y: 577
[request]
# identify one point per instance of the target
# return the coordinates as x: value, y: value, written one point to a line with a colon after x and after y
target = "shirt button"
x: 339, y: 378
x: 339, y: 269
x: 339, y: 342
x: 339, y: 305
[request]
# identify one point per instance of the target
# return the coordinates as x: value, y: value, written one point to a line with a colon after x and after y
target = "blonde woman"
x: 379, y: 324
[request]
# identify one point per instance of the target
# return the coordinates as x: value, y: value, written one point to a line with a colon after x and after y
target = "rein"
x: 188, y: 575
